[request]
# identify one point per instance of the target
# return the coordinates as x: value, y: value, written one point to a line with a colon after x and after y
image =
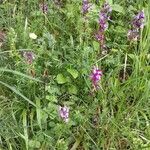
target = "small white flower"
x: 33, y: 36
x: 148, y: 56
x: 1, y: 44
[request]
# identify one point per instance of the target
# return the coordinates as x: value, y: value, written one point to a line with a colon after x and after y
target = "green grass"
x: 117, y: 117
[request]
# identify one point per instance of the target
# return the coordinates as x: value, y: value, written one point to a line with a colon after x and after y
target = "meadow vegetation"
x: 75, y: 75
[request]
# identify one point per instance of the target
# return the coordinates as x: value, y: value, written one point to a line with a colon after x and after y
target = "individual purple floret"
x: 44, y: 8
x: 133, y: 35
x: 85, y: 7
x: 96, y: 77
x: 29, y: 56
x: 137, y: 24
x: 64, y: 113
x: 103, y: 18
x: 103, y: 24
x: 106, y: 8
x: 100, y: 37
x: 138, y: 21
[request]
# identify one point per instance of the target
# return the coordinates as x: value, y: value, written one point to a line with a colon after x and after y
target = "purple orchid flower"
x: 106, y: 8
x: 137, y: 24
x: 29, y: 56
x: 85, y: 7
x: 103, y: 24
x: 64, y: 113
x: 44, y: 8
x: 138, y: 21
x: 96, y: 77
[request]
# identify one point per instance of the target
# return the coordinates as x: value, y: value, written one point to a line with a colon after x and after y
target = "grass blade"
x: 18, y: 93
x: 19, y: 73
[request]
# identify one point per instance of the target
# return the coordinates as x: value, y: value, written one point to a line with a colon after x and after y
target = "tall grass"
x: 116, y: 117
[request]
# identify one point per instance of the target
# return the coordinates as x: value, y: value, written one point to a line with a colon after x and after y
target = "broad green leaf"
x: 118, y: 8
x: 72, y: 89
x: 44, y: 115
x: 73, y: 72
x: 114, y: 50
x: 96, y: 45
x: 110, y: 2
x: 61, y: 79
x: 34, y: 144
x: 132, y: 56
x: 51, y: 98
x: 68, y: 79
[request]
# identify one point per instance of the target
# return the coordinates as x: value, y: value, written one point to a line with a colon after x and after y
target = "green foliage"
x: 117, y: 116
x: 61, y: 79
x: 73, y: 72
